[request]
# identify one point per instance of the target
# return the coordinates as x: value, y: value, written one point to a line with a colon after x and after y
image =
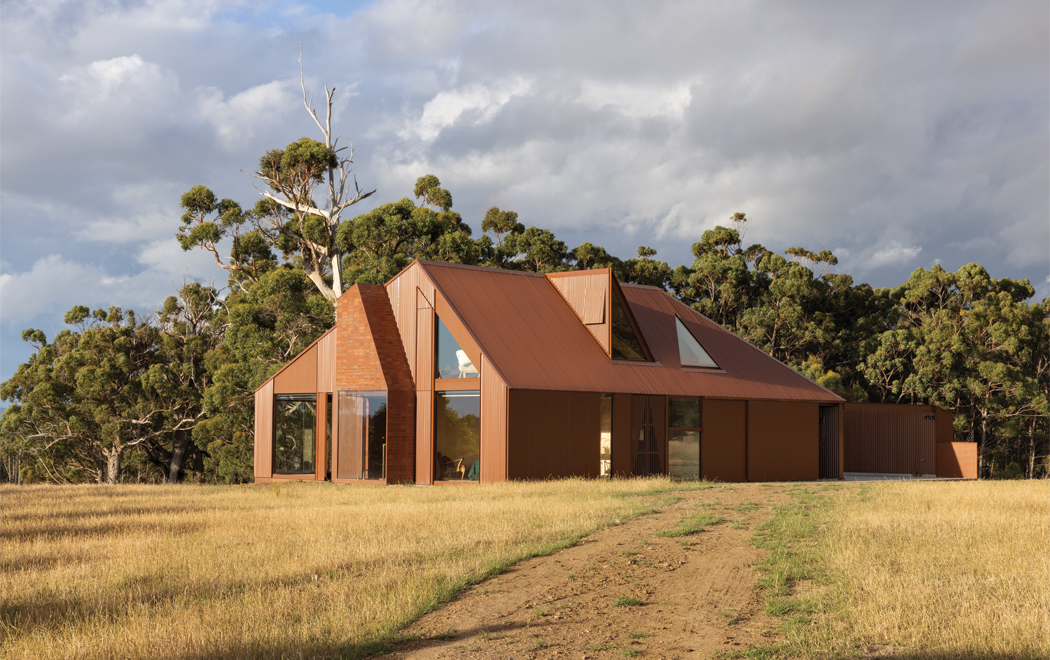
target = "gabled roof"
x: 535, y: 340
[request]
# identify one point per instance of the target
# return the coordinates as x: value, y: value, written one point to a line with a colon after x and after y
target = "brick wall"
x: 371, y: 357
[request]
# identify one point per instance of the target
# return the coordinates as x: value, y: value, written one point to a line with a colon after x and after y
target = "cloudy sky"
x: 896, y: 134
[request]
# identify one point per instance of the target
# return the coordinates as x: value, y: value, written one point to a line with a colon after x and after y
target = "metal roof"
x: 532, y: 336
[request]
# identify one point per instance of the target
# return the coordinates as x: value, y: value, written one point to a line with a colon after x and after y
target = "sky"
x: 898, y: 135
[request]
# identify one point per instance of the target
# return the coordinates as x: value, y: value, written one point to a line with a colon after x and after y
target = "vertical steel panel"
x: 326, y: 362
x: 584, y: 434
x: 320, y: 436
x: 829, y: 442
x: 887, y: 438
x: 783, y: 441
x: 553, y: 434
x: 494, y: 438
x: 264, y: 431
x: 723, y: 440
x: 300, y: 376
x: 621, y: 435
x: 424, y: 352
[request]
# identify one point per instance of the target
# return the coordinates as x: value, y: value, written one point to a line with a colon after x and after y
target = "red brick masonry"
x: 371, y: 357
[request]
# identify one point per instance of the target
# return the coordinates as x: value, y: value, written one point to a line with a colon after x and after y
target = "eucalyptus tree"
x: 289, y: 217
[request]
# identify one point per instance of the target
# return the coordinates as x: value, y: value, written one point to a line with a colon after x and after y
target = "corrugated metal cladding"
x: 586, y: 294
x: 264, y: 429
x: 537, y: 342
x: 422, y: 341
x: 407, y: 291
x: 957, y: 460
x: 830, y: 465
x: 494, y: 426
x: 723, y: 440
x: 890, y: 438
x: 782, y: 441
x: 553, y: 434
x: 313, y: 370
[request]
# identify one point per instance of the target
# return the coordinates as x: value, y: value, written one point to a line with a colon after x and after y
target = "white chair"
x: 465, y: 365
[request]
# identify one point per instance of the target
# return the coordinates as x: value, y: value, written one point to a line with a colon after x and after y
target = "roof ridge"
x: 504, y: 271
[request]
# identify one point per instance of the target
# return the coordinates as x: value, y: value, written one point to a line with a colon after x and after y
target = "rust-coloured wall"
x: 621, y: 435
x: 326, y: 363
x: 401, y: 436
x: 957, y: 460
x: 404, y: 293
x: 723, y: 441
x: 264, y: 431
x: 783, y: 441
x: 300, y: 376
x: 889, y: 438
x: 321, y: 437
x: 587, y: 293
x: 494, y: 403
x: 424, y: 370
x: 553, y: 434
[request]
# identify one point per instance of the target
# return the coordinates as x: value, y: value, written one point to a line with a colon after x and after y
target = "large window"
x: 605, y: 429
x: 452, y: 361
x: 295, y: 429
x: 683, y: 443
x: 457, y: 436
x: 625, y: 343
x: 362, y: 435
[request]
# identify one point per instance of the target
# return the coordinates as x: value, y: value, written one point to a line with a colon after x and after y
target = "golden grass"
x: 265, y: 571
x: 947, y: 569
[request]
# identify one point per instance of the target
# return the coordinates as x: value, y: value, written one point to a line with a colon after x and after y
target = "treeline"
x: 168, y: 396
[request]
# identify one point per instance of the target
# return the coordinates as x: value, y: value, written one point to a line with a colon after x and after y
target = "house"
x: 458, y: 374
x: 461, y: 374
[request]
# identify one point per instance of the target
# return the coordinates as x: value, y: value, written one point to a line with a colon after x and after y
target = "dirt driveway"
x: 695, y: 594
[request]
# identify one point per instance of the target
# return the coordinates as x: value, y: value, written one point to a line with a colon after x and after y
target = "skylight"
x: 690, y: 350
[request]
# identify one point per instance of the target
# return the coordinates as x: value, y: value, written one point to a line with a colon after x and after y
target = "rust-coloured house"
x: 458, y: 374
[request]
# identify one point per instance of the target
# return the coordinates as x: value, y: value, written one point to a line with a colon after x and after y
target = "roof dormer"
x: 598, y: 302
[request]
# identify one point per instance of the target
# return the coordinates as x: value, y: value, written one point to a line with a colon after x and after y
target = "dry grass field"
x: 926, y: 570
x: 939, y: 570
x: 266, y: 571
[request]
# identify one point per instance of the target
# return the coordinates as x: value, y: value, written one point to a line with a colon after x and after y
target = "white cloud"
x: 894, y: 254
x: 477, y: 104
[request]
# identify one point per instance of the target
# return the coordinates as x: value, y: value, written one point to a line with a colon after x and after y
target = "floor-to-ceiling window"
x: 605, y: 429
x: 457, y: 435
x: 683, y: 438
x: 295, y: 429
x: 362, y: 435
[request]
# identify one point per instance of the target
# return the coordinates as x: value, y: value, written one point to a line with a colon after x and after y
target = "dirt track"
x: 696, y: 592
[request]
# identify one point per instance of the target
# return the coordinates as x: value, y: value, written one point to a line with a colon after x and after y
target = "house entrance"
x: 649, y: 434
x: 829, y: 442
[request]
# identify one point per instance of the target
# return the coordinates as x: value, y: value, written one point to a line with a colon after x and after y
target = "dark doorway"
x: 829, y: 442
x: 648, y: 434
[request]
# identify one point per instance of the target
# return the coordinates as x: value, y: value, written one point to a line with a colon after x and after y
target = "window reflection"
x: 362, y: 435
x: 452, y: 361
x: 605, y: 429
x: 625, y: 343
x: 457, y: 436
x: 295, y: 428
x: 683, y: 440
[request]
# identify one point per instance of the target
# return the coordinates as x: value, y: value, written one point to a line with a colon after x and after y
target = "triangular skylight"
x: 690, y: 350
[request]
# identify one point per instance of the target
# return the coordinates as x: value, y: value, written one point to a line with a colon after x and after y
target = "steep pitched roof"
x: 535, y: 340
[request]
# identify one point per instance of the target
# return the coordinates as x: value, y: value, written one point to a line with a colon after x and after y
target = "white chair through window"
x: 466, y: 367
